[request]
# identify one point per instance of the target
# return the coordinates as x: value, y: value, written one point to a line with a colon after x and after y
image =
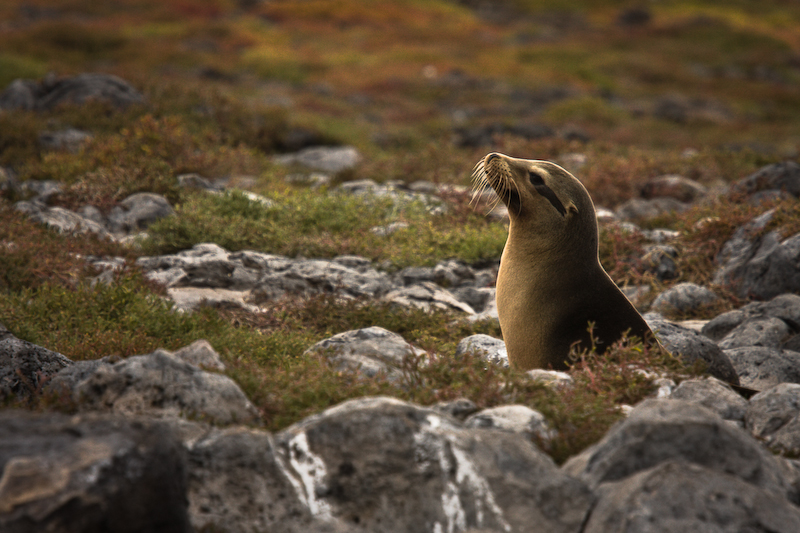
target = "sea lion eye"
x: 535, y: 178
x: 541, y: 187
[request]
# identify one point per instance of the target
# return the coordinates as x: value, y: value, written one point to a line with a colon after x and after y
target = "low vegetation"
x: 230, y: 84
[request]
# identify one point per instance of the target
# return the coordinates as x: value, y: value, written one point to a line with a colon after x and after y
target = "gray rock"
x: 453, y: 274
x: 759, y: 267
x: 70, y: 139
x: 479, y: 299
x: 427, y: 296
x: 515, y: 418
x: 323, y: 158
x: 715, y: 395
x: 51, y: 92
x: 385, y: 231
x: 660, y: 260
x: 415, y: 276
x: 660, y: 431
x: 25, y: 367
x: 369, y: 350
x: 682, y: 298
x: 138, y: 211
x: 236, y: 484
x: 162, y: 385
x: 193, y: 298
x: 551, y: 378
x: 783, y: 176
x: 675, y: 496
x: 487, y: 348
x: 42, y: 190
x: 673, y: 186
x: 196, y: 181
x: 20, y: 94
x: 766, y: 332
x: 774, y: 417
x: 459, y: 409
x: 379, y: 464
x: 202, y: 355
x: 62, y: 220
x: 785, y: 307
x: 691, y: 346
x: 87, y: 473
x: 760, y: 368
x: 639, y: 209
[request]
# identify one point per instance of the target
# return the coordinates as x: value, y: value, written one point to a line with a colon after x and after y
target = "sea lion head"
x: 542, y: 198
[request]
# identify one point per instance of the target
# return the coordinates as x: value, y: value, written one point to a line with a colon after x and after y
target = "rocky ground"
x: 168, y: 430
x: 170, y: 235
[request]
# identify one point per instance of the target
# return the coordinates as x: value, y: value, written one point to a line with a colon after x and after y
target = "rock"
x: 639, y: 209
x: 427, y: 296
x: 25, y: 367
x: 773, y: 416
x: 385, y: 231
x: 460, y: 408
x: 196, y: 181
x: 551, y: 378
x: 138, y: 211
x: 675, y: 496
x: 479, y: 299
x: 673, y: 186
x: 663, y: 431
x: 759, y: 267
x: 268, y: 276
x: 62, y: 220
x: 766, y: 332
x: 380, y: 464
x: 683, y: 298
x: 487, y: 348
x: 323, y: 158
x: 453, y: 274
x: 51, y: 92
x: 369, y: 350
x: 660, y: 260
x: 783, y: 176
x: 192, y: 298
x: 515, y: 418
x: 236, y: 484
x: 162, y: 385
x: 785, y: 307
x: 202, y: 355
x: 20, y: 94
x: 715, y: 395
x: 760, y: 368
x: 88, y: 473
x: 692, y: 346
x: 70, y: 140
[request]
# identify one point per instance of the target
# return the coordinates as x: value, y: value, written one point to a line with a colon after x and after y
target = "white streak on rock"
x: 436, y: 441
x: 311, y: 470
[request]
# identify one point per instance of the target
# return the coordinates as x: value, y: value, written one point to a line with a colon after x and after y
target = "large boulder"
x: 159, y: 384
x: 370, y: 350
x: 691, y: 346
x: 90, y: 473
x: 758, y: 265
x: 661, y: 431
x: 674, y: 496
x: 380, y: 464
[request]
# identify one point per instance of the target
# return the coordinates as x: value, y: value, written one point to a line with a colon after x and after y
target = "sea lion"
x: 551, y: 285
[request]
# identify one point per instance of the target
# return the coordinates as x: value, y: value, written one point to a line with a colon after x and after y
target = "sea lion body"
x: 551, y: 285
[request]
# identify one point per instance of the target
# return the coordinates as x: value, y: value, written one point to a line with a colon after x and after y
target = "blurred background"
x: 424, y: 88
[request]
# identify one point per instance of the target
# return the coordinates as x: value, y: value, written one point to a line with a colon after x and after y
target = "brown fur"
x: 551, y: 285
